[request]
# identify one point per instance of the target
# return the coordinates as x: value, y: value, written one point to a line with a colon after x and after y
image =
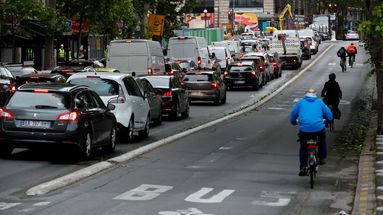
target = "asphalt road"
x: 247, y: 165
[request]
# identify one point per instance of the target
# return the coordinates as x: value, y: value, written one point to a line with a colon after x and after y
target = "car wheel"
x: 280, y: 73
x: 174, y: 115
x: 86, y: 144
x: 185, y: 114
x: 129, y: 133
x: 112, y: 142
x: 145, y: 133
x: 6, y: 151
x: 217, y: 100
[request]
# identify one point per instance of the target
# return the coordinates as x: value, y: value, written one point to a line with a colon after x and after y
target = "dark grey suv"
x: 7, y: 84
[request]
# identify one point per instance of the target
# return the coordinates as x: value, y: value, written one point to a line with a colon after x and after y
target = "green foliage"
x: 14, y: 12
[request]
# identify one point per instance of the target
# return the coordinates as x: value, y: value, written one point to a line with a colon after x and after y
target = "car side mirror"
x: 110, y: 107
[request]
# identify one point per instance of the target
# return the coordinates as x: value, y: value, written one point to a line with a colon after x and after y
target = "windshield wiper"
x: 45, y: 107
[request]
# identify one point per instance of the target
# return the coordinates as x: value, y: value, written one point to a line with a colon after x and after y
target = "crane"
x: 282, y: 15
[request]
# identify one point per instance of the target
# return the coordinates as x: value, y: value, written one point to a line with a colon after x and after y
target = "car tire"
x: 129, y: 129
x: 145, y: 133
x: 6, y: 151
x: 175, y: 113
x: 112, y: 141
x: 217, y: 100
x: 86, y: 144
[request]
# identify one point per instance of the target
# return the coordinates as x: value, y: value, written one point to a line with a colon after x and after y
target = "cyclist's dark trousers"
x: 349, y: 58
x: 322, y: 147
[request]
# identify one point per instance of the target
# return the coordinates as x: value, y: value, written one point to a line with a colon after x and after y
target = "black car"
x: 43, y: 115
x: 7, y: 84
x: 76, y: 66
x: 187, y: 65
x: 205, y: 86
x: 243, y: 74
x: 175, y: 100
x: 172, y: 68
x: 305, y: 47
x: 40, y: 77
x: 154, y: 99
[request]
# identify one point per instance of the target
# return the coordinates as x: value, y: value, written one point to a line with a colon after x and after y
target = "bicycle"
x: 331, y: 123
x: 343, y: 64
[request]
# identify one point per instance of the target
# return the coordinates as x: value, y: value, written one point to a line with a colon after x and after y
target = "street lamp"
x: 205, y: 16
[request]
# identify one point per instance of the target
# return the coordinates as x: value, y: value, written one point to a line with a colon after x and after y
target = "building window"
x: 246, y: 3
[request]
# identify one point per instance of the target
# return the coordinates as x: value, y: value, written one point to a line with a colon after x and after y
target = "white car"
x: 223, y: 55
x: 351, y: 35
x: 132, y: 107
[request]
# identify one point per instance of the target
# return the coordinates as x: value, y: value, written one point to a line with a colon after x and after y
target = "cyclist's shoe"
x: 322, y: 161
x: 303, y: 172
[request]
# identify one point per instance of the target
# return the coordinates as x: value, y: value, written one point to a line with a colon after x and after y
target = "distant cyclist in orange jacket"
x: 351, y: 50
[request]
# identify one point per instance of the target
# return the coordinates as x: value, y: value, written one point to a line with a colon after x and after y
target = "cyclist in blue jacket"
x: 310, y: 111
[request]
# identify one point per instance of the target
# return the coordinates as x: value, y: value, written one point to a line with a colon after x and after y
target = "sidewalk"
x: 365, y: 202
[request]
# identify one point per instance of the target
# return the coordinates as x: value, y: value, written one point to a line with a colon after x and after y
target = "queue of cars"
x: 87, y: 106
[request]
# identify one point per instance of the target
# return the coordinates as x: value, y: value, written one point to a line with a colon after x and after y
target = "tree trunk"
x: 49, y: 61
x: 378, y: 53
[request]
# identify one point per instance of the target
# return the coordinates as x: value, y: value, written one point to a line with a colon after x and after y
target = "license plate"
x: 239, y: 82
x: 33, y: 124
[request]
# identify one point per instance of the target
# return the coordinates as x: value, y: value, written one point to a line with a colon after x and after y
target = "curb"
x: 81, y: 174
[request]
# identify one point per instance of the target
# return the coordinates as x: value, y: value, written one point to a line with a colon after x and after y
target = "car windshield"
x: 240, y: 69
x: 198, y: 77
x: 184, y: 65
x: 103, y: 87
x: 34, y: 100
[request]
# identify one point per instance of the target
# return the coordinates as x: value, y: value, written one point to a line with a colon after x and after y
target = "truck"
x: 287, y: 45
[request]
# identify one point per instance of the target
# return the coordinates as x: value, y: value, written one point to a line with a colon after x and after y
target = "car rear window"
x: 240, y: 69
x: 34, y: 100
x: 158, y: 82
x: 198, y: 77
x: 103, y: 87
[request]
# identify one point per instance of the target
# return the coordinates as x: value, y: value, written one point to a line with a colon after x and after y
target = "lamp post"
x: 205, y: 17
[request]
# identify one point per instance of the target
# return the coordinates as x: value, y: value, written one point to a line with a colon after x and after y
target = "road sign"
x: 156, y: 24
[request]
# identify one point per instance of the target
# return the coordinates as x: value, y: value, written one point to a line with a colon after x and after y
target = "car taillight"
x: 40, y: 90
x: 69, y: 116
x: 214, y: 84
x: 67, y: 70
x: 226, y: 73
x: 261, y: 68
x: 199, y: 61
x: 150, y: 71
x: 170, y: 72
x: 119, y: 99
x: 5, y: 114
x: 254, y: 73
x: 294, y: 60
x: 168, y: 93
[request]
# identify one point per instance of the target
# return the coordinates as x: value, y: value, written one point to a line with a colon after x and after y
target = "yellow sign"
x: 156, y: 24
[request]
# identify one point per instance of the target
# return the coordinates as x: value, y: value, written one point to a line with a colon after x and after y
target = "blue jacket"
x: 310, y: 111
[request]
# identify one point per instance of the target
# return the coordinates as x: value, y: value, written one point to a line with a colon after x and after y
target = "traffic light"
x: 230, y: 15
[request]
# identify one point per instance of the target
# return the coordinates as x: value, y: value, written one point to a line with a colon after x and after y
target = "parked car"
x: 76, y: 66
x: 267, y: 67
x: 305, y: 47
x: 40, y: 78
x: 132, y: 107
x: 104, y: 69
x: 277, y: 64
x: 259, y: 62
x: 140, y: 56
x: 241, y: 74
x: 154, y: 99
x: 46, y: 114
x: 175, y: 100
x: 187, y: 65
x: 173, y: 68
x: 7, y: 84
x: 205, y: 86
x: 18, y: 71
x: 351, y: 35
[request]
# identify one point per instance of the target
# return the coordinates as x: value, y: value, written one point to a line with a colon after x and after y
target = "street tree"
x: 373, y: 33
x: 15, y: 12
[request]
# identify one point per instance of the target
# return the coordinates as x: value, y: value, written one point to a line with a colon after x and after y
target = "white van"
x: 189, y: 48
x: 233, y: 46
x: 223, y: 55
x: 136, y: 56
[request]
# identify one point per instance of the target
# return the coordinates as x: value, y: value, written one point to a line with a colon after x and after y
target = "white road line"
x: 276, y: 108
x: 5, y: 205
